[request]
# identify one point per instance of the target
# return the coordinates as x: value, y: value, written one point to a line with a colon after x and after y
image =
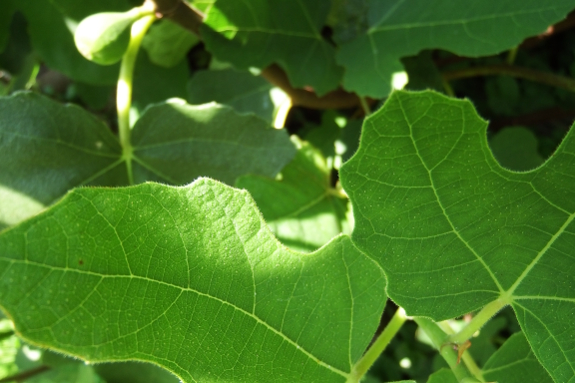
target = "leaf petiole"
x: 125, y: 85
x: 371, y: 355
x: 478, y: 321
x: 439, y: 338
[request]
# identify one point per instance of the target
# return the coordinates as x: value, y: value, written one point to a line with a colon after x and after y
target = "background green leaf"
x: 442, y: 376
x: 51, y: 32
x: 454, y: 231
x: 514, y: 362
x: 261, y: 32
x: 177, y: 142
x: 167, y: 43
x: 301, y: 208
x: 401, y: 28
x: 189, y: 278
x: 48, y: 149
x: 515, y: 148
x: 239, y: 89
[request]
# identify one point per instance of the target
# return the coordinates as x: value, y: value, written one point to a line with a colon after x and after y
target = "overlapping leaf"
x: 241, y: 90
x: 514, y: 362
x: 189, y: 278
x: 47, y: 149
x: 454, y: 231
x: 257, y: 33
x: 302, y: 209
x: 398, y: 28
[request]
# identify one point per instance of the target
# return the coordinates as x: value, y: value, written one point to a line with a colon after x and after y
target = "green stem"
x: 511, y: 55
x: 439, y: 338
x: 124, y: 90
x: 466, y: 357
x: 365, y: 106
x: 478, y: 321
x: 371, y: 355
x: 546, y: 78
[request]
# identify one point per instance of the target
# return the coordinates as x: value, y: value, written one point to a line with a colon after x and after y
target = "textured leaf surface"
x: 398, y: 28
x: 302, y: 209
x: 47, y: 149
x: 514, y: 362
x: 189, y: 278
x: 261, y: 32
x: 454, y: 231
x: 239, y: 89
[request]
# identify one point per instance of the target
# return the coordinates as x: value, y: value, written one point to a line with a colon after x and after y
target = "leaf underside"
x: 191, y: 279
x: 454, y: 231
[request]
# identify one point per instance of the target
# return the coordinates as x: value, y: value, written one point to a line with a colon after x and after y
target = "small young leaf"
x: 167, y: 43
x: 191, y: 279
x: 455, y: 231
x: 104, y: 37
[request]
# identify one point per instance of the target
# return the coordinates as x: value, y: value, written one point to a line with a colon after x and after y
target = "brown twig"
x: 180, y: 12
x: 514, y: 71
x: 191, y: 19
x: 22, y: 376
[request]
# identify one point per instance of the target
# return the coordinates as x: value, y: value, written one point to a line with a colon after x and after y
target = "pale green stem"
x: 511, y: 55
x: 478, y: 321
x: 439, y: 339
x: 282, y: 113
x: 371, y: 355
x: 365, y: 106
x: 466, y: 357
x: 124, y: 90
x: 447, y: 87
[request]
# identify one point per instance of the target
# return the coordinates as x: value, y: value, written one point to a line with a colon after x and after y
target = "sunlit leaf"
x: 454, y: 231
x: 189, y: 278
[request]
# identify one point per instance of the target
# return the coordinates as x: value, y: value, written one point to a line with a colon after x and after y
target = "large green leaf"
x: 454, y: 231
x: 47, y: 149
x: 397, y: 28
x: 191, y: 279
x: 302, y: 208
x: 257, y: 33
x: 514, y: 362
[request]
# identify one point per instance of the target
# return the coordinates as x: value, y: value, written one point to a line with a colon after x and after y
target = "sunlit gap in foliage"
x: 25, y: 206
x: 399, y: 80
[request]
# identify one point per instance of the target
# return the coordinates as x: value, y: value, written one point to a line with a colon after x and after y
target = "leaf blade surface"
x: 191, y: 279
x: 454, y: 231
